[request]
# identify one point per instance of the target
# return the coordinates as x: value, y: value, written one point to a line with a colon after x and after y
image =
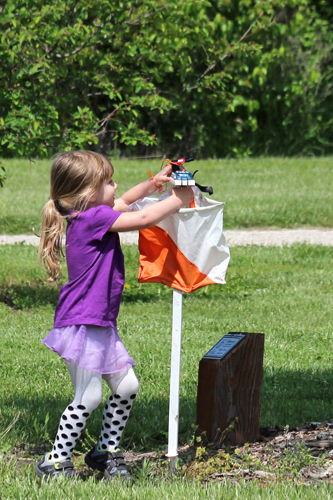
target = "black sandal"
x: 111, y: 463
x: 55, y: 469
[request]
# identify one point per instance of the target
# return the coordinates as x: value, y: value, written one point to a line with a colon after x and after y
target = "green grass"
x: 16, y: 489
x: 282, y: 292
x: 277, y: 192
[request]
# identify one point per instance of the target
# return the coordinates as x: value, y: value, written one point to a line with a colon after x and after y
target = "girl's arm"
x: 143, y: 189
x: 151, y: 215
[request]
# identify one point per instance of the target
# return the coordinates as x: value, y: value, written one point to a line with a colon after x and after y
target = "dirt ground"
x: 303, y: 455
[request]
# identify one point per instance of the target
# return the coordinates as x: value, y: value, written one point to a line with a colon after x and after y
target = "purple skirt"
x: 93, y: 348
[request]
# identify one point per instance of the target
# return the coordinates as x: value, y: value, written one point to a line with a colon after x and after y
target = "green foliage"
x: 295, y: 459
x: 276, y: 97
x: 73, y: 74
x: 2, y: 175
x: 291, y: 86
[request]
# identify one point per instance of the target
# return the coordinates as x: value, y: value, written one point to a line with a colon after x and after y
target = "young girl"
x: 85, y: 325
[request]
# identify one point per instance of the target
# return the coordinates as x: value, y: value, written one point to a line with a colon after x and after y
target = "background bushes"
x: 212, y: 78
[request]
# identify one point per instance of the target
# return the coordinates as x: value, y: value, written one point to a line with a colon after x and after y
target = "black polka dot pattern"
x: 115, y: 416
x: 74, y: 417
x: 116, y: 413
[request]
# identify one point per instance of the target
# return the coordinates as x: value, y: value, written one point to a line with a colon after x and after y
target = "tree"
x: 286, y: 106
x: 73, y: 74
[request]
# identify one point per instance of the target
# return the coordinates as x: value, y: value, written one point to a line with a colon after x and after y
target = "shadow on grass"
x: 145, y: 296
x: 29, y: 295
x: 18, y: 224
x: 288, y: 398
x: 34, y: 422
x: 25, y: 296
x: 296, y: 397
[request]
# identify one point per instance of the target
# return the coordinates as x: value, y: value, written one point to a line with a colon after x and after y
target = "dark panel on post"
x: 229, y: 390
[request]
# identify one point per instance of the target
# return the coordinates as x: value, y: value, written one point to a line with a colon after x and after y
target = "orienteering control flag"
x: 187, y: 250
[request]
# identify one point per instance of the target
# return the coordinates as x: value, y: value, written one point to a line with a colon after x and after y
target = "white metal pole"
x: 177, y: 314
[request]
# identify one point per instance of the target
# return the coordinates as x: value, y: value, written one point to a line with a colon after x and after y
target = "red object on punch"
x: 183, y: 160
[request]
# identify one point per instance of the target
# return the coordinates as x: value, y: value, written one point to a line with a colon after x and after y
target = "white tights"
x: 88, y: 395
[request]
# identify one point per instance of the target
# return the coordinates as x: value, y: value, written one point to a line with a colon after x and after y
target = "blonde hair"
x: 76, y: 177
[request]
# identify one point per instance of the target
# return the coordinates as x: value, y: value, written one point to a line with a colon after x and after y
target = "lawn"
x: 282, y: 292
x: 279, y: 192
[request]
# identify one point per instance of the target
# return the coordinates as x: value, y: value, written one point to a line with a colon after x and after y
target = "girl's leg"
x: 88, y: 395
x: 124, y: 387
x: 106, y: 456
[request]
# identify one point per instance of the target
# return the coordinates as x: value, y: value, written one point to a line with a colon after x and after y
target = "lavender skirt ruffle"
x: 93, y: 348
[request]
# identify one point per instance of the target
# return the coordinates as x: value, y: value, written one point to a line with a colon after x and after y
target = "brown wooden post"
x: 229, y: 390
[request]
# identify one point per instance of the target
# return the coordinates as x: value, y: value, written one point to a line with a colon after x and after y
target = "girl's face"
x: 105, y: 195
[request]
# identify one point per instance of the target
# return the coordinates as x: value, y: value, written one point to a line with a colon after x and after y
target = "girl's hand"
x: 163, y: 176
x: 185, y: 194
x: 152, y: 214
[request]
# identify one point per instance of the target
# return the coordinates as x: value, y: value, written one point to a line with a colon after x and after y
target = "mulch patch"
x: 303, y: 454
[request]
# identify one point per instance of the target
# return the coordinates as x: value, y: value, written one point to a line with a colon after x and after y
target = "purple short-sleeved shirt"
x: 95, y: 271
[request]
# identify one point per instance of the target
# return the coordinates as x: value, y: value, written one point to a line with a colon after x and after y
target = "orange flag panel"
x: 161, y: 261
